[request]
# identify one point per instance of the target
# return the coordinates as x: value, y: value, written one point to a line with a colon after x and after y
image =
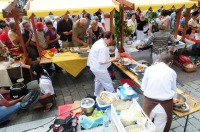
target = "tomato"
x: 54, y: 49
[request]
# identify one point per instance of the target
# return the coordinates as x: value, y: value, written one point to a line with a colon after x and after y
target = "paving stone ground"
x: 68, y: 89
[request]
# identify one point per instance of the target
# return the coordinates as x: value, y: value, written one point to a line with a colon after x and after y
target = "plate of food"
x: 73, y: 49
x: 108, y: 97
x: 183, y: 107
x: 140, y: 68
x: 84, y: 48
x: 125, y: 61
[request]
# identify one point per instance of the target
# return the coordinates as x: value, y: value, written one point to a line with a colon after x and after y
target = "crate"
x: 150, y: 127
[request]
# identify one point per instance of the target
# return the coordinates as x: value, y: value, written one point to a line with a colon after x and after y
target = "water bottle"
x: 105, y: 122
x: 116, y: 53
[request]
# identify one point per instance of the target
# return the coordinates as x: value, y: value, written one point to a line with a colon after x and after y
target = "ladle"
x: 20, y: 80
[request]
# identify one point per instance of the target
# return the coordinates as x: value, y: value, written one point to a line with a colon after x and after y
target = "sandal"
x: 48, y: 107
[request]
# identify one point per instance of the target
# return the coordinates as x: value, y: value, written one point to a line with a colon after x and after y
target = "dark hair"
x: 165, y: 57
x: 132, y: 14
x: 195, y: 13
x: 2, y: 21
x: 107, y: 35
x: 4, y: 25
x: 87, y: 15
x: 11, y: 24
x: 164, y: 13
x: 48, y: 23
x: 38, y: 69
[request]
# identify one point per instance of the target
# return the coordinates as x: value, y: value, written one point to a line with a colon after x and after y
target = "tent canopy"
x: 43, y: 8
x: 157, y: 4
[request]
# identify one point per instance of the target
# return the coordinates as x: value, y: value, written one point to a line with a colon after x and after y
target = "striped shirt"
x: 160, y: 41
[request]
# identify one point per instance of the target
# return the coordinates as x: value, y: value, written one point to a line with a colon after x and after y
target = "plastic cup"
x: 142, y: 122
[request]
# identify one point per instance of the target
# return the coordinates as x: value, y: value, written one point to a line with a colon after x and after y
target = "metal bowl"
x: 178, y: 96
x: 87, y: 105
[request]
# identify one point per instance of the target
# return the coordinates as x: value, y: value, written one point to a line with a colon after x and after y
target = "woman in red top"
x: 4, y: 36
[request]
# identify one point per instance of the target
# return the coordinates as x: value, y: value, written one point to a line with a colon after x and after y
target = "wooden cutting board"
x: 75, y: 105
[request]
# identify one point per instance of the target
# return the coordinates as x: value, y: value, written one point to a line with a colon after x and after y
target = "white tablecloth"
x: 4, y: 77
x: 130, y: 48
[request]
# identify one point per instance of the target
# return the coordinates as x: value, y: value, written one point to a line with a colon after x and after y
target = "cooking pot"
x: 87, y: 105
x: 18, y: 90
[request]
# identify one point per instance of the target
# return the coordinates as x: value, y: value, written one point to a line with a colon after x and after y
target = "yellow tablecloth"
x: 71, y: 62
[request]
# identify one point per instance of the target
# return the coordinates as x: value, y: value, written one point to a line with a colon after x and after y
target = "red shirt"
x: 6, y: 40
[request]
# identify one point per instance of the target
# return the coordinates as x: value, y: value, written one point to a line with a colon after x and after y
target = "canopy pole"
x: 178, y: 16
x: 16, y: 18
x: 111, y: 20
x: 121, y: 49
x: 186, y: 24
x: 35, y: 35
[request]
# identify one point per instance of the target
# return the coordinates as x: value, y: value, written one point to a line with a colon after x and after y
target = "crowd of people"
x: 141, y: 25
x: 159, y: 81
x: 53, y: 31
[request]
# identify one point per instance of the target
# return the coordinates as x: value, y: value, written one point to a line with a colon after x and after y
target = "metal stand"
x: 187, y: 118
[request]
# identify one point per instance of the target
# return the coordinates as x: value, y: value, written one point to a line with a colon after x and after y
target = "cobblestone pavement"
x: 68, y: 89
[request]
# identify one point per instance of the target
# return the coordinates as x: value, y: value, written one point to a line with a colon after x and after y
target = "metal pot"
x: 87, y: 105
x: 18, y: 90
x: 178, y: 96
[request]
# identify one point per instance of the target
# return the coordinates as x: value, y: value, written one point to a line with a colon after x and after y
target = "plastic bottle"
x: 116, y: 53
x: 105, y: 122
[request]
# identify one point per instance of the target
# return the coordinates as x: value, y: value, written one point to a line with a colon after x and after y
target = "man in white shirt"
x: 99, y: 60
x: 159, y: 86
x: 40, y: 33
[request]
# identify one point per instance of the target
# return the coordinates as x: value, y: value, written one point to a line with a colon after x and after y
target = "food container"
x: 180, y: 103
x: 101, y: 105
x: 149, y: 126
x: 125, y: 61
x: 179, y: 99
x: 107, y: 97
x: 87, y: 105
x: 127, y: 93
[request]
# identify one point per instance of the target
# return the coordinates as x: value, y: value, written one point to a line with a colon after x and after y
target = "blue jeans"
x: 6, y: 112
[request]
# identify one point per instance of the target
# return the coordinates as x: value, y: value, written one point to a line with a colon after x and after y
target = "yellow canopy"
x: 157, y: 4
x: 42, y: 8
x: 3, y: 5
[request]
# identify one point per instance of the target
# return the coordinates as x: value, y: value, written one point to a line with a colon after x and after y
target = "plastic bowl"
x: 107, y: 97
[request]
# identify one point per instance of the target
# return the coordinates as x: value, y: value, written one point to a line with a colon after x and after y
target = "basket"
x: 187, y: 69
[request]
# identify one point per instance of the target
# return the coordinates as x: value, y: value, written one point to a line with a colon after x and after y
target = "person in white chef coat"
x: 159, y: 86
x: 99, y: 60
